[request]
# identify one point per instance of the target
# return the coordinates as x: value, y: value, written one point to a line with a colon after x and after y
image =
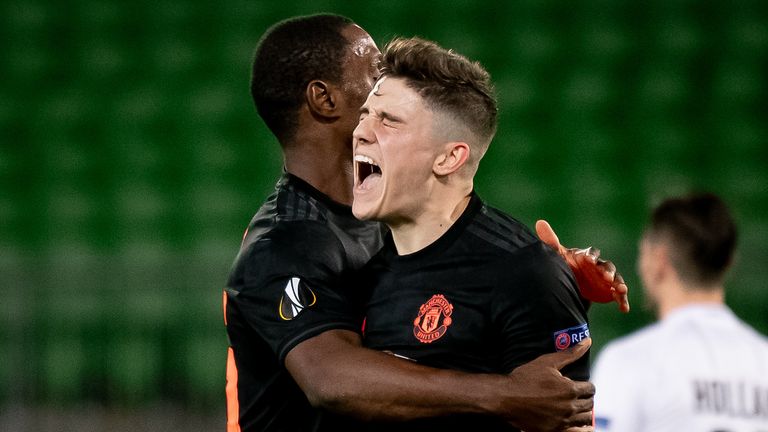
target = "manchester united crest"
x: 433, y: 320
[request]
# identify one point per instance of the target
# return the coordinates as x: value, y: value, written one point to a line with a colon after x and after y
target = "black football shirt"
x: 289, y: 282
x: 487, y: 296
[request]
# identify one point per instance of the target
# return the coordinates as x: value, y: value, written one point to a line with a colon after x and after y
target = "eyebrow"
x: 393, y: 118
x: 383, y: 114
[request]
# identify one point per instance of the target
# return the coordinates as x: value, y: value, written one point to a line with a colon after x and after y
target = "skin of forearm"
x: 338, y: 374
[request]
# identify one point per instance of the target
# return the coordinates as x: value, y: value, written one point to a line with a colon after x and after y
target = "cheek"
x: 356, y: 94
x: 646, y: 269
x: 412, y: 172
x: 642, y: 270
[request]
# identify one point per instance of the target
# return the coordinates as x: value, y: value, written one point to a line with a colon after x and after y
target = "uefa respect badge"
x: 570, y: 336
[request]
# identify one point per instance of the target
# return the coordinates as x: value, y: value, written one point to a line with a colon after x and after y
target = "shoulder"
x: 634, y: 347
x: 299, y: 240
x: 291, y: 221
x: 291, y: 201
x: 516, y: 252
x: 513, y: 240
x: 308, y: 249
x: 751, y: 334
x: 526, y: 272
x: 500, y: 230
x: 621, y: 366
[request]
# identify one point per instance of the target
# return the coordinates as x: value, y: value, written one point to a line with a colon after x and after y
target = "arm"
x: 597, y: 279
x: 322, y: 351
x: 337, y: 373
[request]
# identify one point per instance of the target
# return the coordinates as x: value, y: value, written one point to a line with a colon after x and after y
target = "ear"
x: 321, y: 99
x: 454, y: 156
x: 663, y: 268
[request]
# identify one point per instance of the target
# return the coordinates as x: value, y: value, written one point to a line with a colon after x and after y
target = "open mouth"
x: 367, y: 171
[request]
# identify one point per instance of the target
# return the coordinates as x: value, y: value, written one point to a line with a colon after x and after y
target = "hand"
x: 550, y: 401
x: 597, y: 279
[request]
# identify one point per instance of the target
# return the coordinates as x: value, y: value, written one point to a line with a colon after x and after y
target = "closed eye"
x: 387, y: 119
x: 392, y: 119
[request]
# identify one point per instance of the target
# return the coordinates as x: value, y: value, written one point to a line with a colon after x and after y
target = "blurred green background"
x: 132, y: 159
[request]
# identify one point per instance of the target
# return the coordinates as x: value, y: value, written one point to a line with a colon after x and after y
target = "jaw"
x: 360, y: 210
x: 368, y: 197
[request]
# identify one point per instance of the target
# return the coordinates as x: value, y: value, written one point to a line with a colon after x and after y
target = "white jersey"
x: 701, y: 369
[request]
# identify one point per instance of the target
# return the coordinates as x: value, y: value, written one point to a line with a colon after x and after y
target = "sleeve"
x: 617, y: 401
x: 538, y: 309
x: 292, y: 285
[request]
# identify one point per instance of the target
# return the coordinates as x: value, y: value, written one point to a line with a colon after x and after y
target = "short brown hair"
x: 702, y: 235
x: 448, y: 82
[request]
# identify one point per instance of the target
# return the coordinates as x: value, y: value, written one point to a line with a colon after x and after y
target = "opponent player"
x: 700, y: 368
x: 458, y: 284
x: 286, y: 306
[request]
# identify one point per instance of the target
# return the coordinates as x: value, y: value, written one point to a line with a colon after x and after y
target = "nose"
x: 363, y: 133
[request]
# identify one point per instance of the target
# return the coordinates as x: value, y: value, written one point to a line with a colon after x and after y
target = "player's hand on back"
x: 597, y: 279
x: 550, y: 401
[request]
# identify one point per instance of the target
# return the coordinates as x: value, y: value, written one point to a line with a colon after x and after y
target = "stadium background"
x: 132, y: 159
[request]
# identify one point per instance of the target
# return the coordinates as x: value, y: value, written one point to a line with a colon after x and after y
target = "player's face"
x: 361, y: 69
x: 394, y: 150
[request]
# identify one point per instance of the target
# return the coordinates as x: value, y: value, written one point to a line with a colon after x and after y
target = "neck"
x: 674, y: 299
x: 328, y: 169
x: 436, y: 217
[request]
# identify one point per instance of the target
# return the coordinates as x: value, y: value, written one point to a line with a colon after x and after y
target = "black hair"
x: 702, y: 235
x: 288, y: 56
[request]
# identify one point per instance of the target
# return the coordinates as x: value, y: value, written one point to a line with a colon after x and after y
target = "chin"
x: 361, y: 214
x: 367, y: 206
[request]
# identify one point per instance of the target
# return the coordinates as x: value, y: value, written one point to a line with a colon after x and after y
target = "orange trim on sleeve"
x: 224, y: 305
x: 233, y: 405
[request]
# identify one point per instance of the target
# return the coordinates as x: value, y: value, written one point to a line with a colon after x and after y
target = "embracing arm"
x: 337, y: 373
